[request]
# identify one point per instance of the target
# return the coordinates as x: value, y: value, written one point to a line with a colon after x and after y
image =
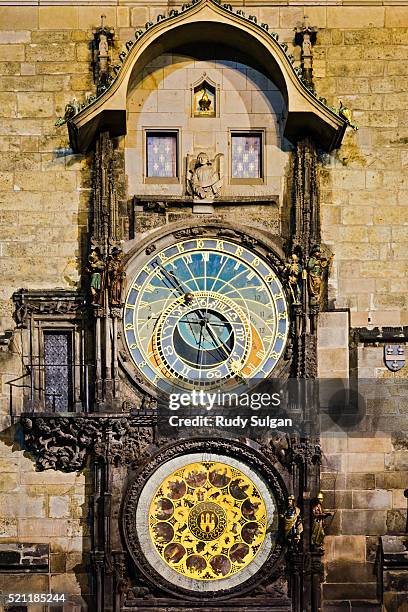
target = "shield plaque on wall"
x: 394, y: 356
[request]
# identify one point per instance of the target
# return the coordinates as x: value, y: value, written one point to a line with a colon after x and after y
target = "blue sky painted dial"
x: 203, y: 311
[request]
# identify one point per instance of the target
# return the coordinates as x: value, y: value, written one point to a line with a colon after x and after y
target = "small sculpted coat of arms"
x: 394, y: 356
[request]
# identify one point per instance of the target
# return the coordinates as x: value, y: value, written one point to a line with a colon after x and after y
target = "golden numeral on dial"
x: 129, y: 326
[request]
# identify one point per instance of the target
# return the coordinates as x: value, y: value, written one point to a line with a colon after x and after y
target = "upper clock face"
x: 203, y: 311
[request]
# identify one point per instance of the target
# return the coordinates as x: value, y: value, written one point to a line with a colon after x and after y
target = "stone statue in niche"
x: 115, y: 276
x: 96, y: 268
x: 204, y: 176
x: 318, y: 517
x: 292, y: 524
x: 318, y: 266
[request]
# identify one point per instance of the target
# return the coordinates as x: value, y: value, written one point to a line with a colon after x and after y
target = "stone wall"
x: 43, y: 508
x: 361, y: 58
x: 364, y: 470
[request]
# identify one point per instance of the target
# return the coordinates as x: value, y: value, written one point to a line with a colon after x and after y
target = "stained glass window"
x: 246, y: 154
x: 58, y: 370
x: 161, y: 154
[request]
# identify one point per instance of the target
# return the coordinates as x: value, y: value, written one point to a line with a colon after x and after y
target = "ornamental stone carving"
x: 205, y: 177
x: 63, y: 443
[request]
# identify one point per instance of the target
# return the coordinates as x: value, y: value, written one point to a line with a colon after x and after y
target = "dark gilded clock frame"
x: 235, y: 449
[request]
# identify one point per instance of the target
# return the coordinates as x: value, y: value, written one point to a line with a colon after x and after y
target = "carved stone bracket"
x: 64, y: 442
x: 292, y: 451
x: 46, y: 302
x: 5, y: 340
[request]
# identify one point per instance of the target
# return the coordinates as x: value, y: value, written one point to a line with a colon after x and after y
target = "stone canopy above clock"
x: 204, y: 23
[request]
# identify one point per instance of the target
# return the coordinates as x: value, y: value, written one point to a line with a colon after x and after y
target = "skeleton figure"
x: 293, y: 272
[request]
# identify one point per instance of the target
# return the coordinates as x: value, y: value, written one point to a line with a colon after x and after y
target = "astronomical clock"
x: 205, y: 308
x: 204, y: 311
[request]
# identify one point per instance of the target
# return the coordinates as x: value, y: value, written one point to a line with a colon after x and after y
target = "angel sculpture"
x: 205, y: 177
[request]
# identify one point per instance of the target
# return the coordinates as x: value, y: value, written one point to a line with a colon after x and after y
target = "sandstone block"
x: 6, y: 181
x: 58, y: 17
x: 28, y: 83
x: 18, y: 18
x: 58, y: 563
x: 399, y: 501
x: 355, y: 216
x: 391, y: 215
x: 376, y: 500
x: 333, y: 362
x: 269, y: 15
x: 89, y: 19
x: 396, y: 17
x: 59, y: 506
x: 139, y: 16
x: 14, y: 37
x: 350, y: 571
x: 396, y: 521
x: 34, y: 181
x: 360, y: 481
x: 123, y: 16
x: 9, y: 481
x: 8, y: 527
x: 81, y: 82
x: 328, y: 480
x: 50, y: 52
x: 12, y: 53
x: 17, y: 505
x: 289, y: 16
x: 364, y: 522
x: 24, y: 583
x: 370, y: 445
x: 334, y: 444
x: 347, y: 591
x: 371, y: 463
x: 357, y: 17
x: 35, y: 104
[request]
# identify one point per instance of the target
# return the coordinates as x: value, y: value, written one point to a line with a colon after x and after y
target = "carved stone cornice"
x: 29, y: 302
x: 65, y: 442
x: 306, y: 111
x: 380, y: 334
